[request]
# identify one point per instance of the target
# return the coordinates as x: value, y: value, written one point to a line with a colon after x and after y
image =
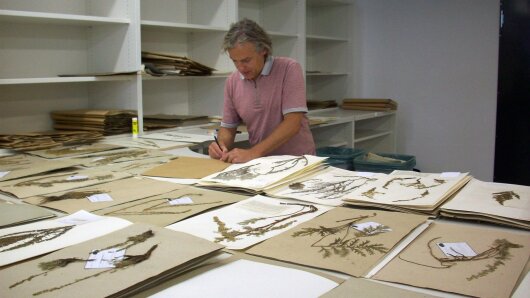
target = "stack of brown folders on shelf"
x: 107, y: 122
x: 369, y: 104
x: 162, y: 64
x: 44, y: 140
x: 320, y: 104
x: 160, y: 121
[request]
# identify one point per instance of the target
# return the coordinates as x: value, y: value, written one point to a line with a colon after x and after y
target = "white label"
x: 98, y: 158
x: 456, y: 249
x: 2, y: 174
x: 180, y: 201
x: 450, y: 174
x: 101, y: 259
x: 370, y: 226
x: 79, y: 218
x: 100, y: 197
x: 76, y: 177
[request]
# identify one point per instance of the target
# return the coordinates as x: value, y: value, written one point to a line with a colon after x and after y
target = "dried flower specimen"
x: 499, y: 252
x: 504, y: 196
x: 344, y: 239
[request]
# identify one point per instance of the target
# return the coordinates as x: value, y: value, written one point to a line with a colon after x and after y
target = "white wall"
x: 438, y: 59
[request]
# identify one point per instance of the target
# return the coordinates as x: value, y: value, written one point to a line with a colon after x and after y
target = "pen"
x: 216, y: 141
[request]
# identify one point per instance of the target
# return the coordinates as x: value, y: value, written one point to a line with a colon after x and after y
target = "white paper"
x: 369, y: 225
x: 450, y: 174
x: 76, y: 177
x: 100, y: 197
x: 98, y: 158
x: 80, y: 217
x: 103, y: 259
x: 181, y: 201
x: 3, y: 174
x: 243, y: 278
x: 263, y: 210
x: 456, y: 249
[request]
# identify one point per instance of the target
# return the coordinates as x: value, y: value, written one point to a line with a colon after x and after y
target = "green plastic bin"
x: 362, y: 165
x: 340, y: 157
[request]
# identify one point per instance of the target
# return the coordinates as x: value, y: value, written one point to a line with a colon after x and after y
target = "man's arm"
x: 225, y: 137
x: 288, y: 128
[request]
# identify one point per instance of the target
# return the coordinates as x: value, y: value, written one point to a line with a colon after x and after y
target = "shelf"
x: 147, y: 77
x: 182, y: 26
x: 365, y: 135
x: 312, y: 37
x: 16, y: 16
x: 51, y: 80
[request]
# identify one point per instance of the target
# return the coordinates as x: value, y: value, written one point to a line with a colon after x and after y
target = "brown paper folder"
x: 188, y: 168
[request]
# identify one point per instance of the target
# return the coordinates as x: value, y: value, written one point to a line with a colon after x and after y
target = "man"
x: 267, y: 94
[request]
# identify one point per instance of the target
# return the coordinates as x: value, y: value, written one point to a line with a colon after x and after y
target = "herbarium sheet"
x: 34, y: 239
x: 145, y: 143
x: 23, y: 165
x: 71, y: 151
x: 347, y: 240
x: 58, y: 181
x: 250, y: 221
x: 263, y: 172
x: 117, y: 156
x: 12, y: 214
x: 119, y: 264
x: 409, y: 190
x: 497, y: 202
x: 103, y: 195
x: 165, y: 209
x: 463, y: 259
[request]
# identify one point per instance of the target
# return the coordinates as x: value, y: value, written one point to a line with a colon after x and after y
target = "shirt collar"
x: 266, y: 68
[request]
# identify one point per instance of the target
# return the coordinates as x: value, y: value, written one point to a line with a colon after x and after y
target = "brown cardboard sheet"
x: 17, y: 214
x: 188, y: 168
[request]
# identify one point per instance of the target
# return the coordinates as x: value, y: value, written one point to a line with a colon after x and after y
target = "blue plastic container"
x: 340, y: 157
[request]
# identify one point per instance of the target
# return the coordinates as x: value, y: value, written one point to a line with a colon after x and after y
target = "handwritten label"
x: 100, y: 197
x: 456, y: 249
x: 3, y: 174
x: 371, y: 226
x: 76, y: 177
x: 180, y: 201
x: 107, y: 258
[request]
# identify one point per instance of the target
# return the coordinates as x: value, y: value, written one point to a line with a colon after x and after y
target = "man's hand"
x: 215, y: 151
x: 237, y: 155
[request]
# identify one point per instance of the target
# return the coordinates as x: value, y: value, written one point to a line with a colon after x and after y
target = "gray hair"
x: 247, y: 31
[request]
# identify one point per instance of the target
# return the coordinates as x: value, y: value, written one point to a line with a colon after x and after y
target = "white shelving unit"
x: 42, y: 39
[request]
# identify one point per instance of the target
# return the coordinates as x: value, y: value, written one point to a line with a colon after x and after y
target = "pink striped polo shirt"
x: 261, y: 104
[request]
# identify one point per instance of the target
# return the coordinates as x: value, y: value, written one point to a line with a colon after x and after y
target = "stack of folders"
x: 369, y: 104
x: 320, y: 104
x: 161, y: 121
x: 500, y: 203
x: 163, y: 64
x: 44, y: 140
x: 107, y: 122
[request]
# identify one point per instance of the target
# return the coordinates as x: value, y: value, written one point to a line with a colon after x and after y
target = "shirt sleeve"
x: 293, y: 95
x: 231, y: 118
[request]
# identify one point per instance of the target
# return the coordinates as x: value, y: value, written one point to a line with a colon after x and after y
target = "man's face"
x: 248, y: 61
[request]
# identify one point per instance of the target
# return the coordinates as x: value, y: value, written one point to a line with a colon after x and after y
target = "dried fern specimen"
x: 504, y: 196
x: 345, y: 239
x: 499, y: 252
x: 283, y: 221
x: 22, y: 239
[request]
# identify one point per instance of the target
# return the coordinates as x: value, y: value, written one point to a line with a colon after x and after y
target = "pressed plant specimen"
x: 125, y: 262
x: 26, y: 238
x: 160, y: 206
x: 504, y: 196
x: 256, y: 170
x: 498, y: 253
x: 247, y: 229
x: 328, y: 190
x: 71, y: 195
x: 40, y: 182
x: 343, y: 239
x: 104, y: 159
